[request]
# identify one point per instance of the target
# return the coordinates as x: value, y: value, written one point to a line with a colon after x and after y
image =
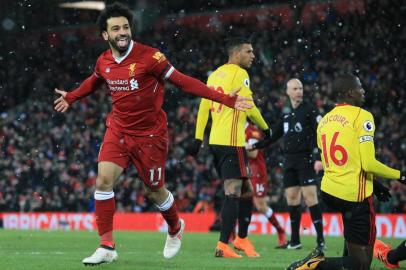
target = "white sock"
x: 167, y: 203
x: 269, y: 212
x: 103, y: 195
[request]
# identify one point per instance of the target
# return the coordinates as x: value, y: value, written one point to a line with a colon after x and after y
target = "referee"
x: 298, y: 128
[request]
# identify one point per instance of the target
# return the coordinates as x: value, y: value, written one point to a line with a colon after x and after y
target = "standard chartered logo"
x: 123, y: 85
x: 133, y: 84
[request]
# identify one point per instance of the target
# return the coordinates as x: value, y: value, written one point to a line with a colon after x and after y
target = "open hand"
x: 61, y: 105
x: 318, y: 166
x: 242, y: 103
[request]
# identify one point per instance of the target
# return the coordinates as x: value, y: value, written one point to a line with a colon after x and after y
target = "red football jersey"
x: 257, y: 165
x: 136, y: 83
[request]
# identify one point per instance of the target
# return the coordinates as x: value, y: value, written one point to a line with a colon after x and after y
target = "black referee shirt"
x: 298, y: 128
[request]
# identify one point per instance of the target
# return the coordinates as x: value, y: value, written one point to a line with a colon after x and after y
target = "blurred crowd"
x: 48, y: 161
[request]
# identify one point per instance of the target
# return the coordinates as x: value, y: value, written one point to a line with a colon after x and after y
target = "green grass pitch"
x: 43, y: 250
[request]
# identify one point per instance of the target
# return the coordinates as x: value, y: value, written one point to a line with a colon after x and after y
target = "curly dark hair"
x: 114, y: 10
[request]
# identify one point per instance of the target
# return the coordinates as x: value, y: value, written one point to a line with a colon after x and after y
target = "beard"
x: 119, y: 44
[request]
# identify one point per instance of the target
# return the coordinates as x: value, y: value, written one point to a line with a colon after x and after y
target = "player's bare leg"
x: 107, y: 174
x: 261, y: 204
x: 165, y: 202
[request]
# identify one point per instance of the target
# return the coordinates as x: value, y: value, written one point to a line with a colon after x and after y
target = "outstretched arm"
x: 66, y: 99
x: 197, y: 88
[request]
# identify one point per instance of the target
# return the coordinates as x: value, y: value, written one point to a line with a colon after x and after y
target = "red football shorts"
x: 259, y: 182
x: 148, y: 154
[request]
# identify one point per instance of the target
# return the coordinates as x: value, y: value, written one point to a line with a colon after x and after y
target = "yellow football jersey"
x: 345, y: 137
x: 228, y: 124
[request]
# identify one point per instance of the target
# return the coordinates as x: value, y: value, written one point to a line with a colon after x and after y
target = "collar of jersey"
x: 122, y: 58
x: 342, y: 104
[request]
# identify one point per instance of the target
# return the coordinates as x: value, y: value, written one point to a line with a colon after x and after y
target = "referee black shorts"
x: 299, y: 170
x: 358, y: 218
x: 231, y: 161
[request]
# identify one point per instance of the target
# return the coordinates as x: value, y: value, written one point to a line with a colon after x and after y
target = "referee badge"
x: 368, y: 126
x: 247, y: 82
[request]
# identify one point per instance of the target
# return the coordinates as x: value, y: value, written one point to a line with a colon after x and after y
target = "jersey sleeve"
x: 277, y: 131
x: 255, y: 115
x: 88, y: 86
x: 315, y: 118
x: 242, y: 80
x: 96, y: 71
x: 365, y: 127
x: 159, y: 66
x: 202, y: 118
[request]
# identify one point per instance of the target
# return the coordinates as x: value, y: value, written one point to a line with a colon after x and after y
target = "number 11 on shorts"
x: 152, y: 176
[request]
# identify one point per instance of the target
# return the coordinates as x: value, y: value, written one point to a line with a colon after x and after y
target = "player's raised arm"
x: 161, y: 68
x: 197, y: 88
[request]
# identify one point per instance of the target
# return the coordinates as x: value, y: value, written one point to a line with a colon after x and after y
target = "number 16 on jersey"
x: 333, y: 151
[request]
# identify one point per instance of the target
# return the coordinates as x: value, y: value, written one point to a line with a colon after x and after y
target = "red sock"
x: 275, y: 223
x: 104, y: 220
x: 171, y: 217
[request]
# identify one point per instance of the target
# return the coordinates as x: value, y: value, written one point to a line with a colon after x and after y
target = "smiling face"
x: 118, y: 35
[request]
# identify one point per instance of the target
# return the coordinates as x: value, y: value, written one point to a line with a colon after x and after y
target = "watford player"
x: 227, y: 144
x: 136, y: 133
x: 345, y: 136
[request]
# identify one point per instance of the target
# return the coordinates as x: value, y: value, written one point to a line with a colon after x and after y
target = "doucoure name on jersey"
x: 122, y: 85
x: 334, y: 118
